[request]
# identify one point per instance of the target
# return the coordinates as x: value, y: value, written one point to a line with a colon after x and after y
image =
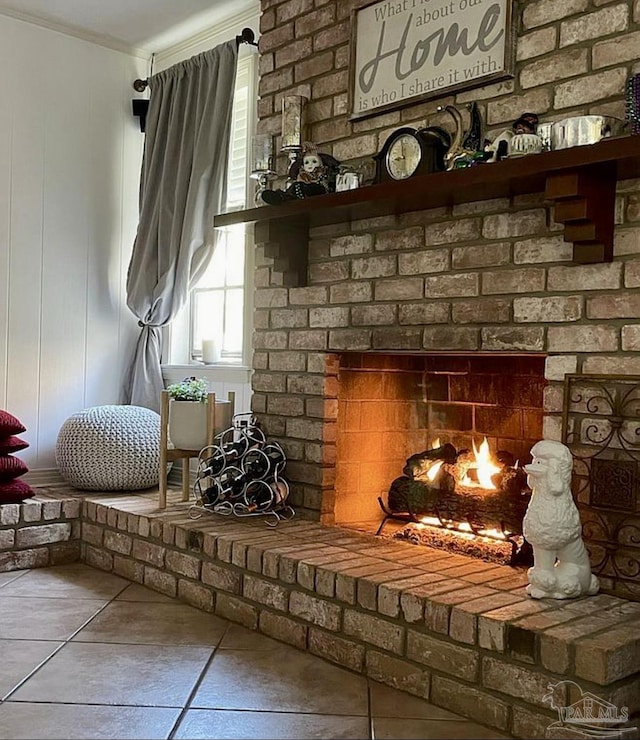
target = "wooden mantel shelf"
x: 580, y: 181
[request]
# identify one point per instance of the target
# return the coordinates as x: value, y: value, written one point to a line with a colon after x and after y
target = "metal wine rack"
x: 241, y: 475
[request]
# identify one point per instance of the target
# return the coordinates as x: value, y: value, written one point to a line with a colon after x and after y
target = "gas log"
x: 455, y: 495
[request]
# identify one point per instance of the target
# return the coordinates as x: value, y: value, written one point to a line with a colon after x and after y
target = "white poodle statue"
x: 561, y: 568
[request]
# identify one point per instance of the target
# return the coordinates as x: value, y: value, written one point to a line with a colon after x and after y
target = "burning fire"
x: 463, y: 529
x: 484, y: 466
x: 433, y: 470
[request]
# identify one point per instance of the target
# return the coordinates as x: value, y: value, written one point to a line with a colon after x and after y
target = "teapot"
x: 521, y: 139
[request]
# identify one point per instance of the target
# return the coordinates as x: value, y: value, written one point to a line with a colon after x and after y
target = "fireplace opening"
x: 430, y: 448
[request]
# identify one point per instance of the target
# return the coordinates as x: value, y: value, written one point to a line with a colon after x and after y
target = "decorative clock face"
x: 403, y: 157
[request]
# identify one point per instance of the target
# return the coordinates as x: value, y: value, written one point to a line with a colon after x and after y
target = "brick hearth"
x: 458, y: 631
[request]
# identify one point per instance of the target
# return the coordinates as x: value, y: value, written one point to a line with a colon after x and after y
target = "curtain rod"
x: 246, y: 36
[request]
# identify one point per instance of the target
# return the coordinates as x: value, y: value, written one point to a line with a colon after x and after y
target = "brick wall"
x: 39, y: 532
x: 492, y: 276
x: 572, y: 57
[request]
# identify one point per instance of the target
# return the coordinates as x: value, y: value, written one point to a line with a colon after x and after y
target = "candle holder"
x: 293, y: 128
x: 262, y: 165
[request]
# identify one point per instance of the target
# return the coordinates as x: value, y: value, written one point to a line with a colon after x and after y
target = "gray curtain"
x: 182, y: 186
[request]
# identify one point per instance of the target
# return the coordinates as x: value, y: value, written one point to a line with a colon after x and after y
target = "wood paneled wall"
x: 70, y: 154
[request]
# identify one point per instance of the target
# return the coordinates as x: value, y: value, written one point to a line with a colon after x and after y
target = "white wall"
x: 70, y: 154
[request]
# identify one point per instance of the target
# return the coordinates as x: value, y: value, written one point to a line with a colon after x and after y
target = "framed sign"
x: 403, y: 51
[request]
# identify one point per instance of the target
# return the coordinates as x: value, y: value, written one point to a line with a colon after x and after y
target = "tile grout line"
x: 369, y: 703
x: 15, y: 578
x: 196, y: 686
x: 59, y: 648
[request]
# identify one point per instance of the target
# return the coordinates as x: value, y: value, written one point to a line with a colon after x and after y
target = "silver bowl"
x: 580, y: 130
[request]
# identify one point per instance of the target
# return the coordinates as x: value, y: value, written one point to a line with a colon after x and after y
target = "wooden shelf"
x: 580, y: 181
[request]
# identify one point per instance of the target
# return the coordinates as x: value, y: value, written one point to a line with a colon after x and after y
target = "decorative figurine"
x: 517, y: 141
x: 314, y: 173
x: 466, y: 148
x: 552, y: 526
x: 525, y: 139
x: 499, y: 148
x: 526, y: 124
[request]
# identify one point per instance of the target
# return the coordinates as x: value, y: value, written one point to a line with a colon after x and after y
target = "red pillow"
x: 12, y: 444
x: 15, y: 491
x: 9, y: 424
x: 11, y: 467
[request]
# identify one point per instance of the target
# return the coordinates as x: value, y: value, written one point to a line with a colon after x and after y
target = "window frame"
x: 178, y: 336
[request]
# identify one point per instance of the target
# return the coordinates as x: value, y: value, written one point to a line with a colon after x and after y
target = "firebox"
x: 402, y: 418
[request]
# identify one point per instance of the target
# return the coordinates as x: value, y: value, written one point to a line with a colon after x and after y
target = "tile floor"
x: 86, y: 654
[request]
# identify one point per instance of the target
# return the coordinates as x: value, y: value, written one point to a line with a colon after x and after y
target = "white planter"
x: 188, y: 424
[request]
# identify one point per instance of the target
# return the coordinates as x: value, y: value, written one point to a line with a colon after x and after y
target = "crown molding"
x: 93, y: 38
x: 216, y: 33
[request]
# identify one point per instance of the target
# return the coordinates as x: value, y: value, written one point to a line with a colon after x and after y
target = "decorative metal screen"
x: 601, y: 426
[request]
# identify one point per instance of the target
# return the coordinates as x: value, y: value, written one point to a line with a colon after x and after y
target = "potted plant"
x: 188, y: 413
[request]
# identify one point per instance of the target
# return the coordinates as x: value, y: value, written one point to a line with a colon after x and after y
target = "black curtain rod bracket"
x: 246, y: 36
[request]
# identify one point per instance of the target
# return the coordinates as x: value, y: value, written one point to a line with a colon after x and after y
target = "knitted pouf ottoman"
x: 110, y: 448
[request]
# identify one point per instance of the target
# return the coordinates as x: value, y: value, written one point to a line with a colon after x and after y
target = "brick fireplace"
x: 478, y: 286
x: 468, y: 274
x: 470, y: 266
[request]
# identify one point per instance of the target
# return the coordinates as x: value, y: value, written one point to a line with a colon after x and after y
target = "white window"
x: 217, y: 302
x: 219, y: 308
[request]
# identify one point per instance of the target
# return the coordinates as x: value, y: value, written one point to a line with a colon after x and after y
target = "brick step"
x: 41, y: 531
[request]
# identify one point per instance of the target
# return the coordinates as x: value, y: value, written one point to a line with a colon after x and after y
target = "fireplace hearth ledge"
x: 457, y: 631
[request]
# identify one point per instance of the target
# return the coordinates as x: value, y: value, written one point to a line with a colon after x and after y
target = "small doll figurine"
x: 314, y: 174
x: 526, y: 124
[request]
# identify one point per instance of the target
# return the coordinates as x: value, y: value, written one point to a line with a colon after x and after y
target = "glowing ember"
x: 432, y: 520
x: 484, y: 466
x: 463, y: 529
x: 495, y: 534
x: 496, y: 551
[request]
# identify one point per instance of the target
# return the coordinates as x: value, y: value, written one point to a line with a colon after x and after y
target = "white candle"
x: 209, y: 352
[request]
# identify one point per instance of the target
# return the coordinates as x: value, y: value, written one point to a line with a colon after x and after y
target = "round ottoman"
x: 110, y: 448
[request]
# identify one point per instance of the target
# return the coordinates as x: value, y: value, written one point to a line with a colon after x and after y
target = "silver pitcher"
x: 580, y: 130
